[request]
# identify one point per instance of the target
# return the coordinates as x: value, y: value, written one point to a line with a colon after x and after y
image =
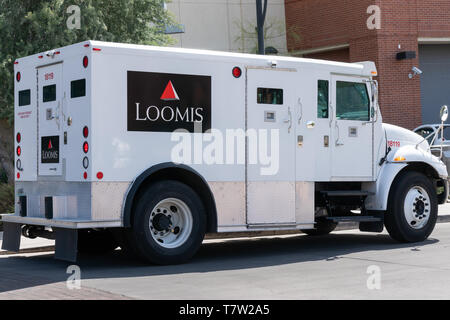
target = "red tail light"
x: 18, y: 76
x: 18, y: 137
x: 100, y: 175
x: 86, y: 147
x: 18, y: 151
x: 85, y: 132
x: 85, y: 175
x: 18, y: 175
x: 237, y: 72
x: 85, y: 62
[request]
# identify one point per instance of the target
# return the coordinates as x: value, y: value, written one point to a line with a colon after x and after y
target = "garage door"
x: 435, y: 80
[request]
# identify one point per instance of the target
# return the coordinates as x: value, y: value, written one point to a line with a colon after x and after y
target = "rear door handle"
x: 289, y: 119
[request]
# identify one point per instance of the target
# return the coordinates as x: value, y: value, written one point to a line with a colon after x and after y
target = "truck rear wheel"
x: 323, y: 227
x: 169, y: 223
x: 412, y: 208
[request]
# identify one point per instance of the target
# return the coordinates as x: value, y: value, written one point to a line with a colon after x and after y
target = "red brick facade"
x: 314, y: 24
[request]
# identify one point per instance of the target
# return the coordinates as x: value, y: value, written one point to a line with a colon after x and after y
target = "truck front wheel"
x: 169, y: 223
x: 412, y: 208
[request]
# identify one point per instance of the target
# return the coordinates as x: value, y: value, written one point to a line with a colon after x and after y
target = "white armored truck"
x: 151, y: 148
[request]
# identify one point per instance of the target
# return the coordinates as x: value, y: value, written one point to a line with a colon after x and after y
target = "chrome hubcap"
x: 171, y: 223
x: 417, y: 207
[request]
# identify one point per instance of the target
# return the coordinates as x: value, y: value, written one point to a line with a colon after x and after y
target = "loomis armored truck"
x: 151, y: 148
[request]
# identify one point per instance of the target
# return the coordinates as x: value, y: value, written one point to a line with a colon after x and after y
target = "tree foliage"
x: 31, y: 26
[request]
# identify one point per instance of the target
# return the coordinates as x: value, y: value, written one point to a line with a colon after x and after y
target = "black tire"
x: 395, y: 221
x: 96, y: 242
x: 323, y: 227
x: 139, y: 236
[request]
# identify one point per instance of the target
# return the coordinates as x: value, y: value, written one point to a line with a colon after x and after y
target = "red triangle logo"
x: 50, y: 144
x: 169, y: 93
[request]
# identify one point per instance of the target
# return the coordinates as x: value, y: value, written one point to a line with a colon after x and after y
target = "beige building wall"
x: 227, y: 25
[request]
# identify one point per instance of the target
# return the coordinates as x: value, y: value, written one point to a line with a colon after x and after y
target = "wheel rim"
x: 171, y: 223
x: 417, y: 207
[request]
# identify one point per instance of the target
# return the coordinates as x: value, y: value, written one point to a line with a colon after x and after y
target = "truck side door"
x: 271, y: 107
x: 352, y: 148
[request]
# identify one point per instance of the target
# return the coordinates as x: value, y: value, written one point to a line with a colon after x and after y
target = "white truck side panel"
x: 122, y: 155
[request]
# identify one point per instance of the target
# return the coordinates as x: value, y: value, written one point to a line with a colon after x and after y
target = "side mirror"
x: 374, y: 87
x: 444, y: 113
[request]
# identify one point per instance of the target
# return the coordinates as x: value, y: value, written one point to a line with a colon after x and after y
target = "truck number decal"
x: 165, y: 102
x: 49, y: 76
x: 394, y: 144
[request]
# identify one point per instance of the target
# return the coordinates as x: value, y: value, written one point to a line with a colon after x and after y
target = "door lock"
x: 49, y: 114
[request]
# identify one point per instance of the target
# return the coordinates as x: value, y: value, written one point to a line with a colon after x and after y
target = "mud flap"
x: 373, y: 226
x: 12, y: 233
x: 66, y: 244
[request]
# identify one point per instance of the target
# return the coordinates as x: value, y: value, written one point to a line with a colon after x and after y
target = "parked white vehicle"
x: 439, y: 140
x: 303, y: 147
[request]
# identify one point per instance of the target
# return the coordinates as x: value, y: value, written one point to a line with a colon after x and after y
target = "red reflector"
x: 18, y: 76
x: 85, y: 132
x: 237, y: 72
x: 85, y: 62
x: 85, y: 147
x: 18, y: 137
x: 86, y: 45
x: 19, y: 151
x: 85, y: 175
x: 100, y: 175
x: 96, y: 49
x: 16, y: 62
x: 18, y: 175
x: 57, y: 52
x: 40, y: 57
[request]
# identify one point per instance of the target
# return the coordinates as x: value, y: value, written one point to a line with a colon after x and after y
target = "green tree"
x: 31, y: 26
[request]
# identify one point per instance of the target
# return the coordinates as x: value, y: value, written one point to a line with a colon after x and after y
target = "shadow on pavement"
x: 18, y: 272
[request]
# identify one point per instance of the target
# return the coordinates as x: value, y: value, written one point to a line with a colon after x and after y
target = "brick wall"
x: 342, y: 55
x: 322, y: 23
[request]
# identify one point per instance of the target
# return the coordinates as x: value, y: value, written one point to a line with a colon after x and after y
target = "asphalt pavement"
x: 344, y: 265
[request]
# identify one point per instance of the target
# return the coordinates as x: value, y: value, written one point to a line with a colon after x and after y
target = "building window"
x: 269, y: 96
x: 352, y: 101
x: 322, y: 99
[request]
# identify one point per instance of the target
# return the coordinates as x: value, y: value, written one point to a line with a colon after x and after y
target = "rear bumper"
x: 65, y: 233
x: 62, y: 223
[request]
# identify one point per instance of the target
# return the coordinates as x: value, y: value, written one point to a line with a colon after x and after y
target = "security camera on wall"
x: 416, y: 71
